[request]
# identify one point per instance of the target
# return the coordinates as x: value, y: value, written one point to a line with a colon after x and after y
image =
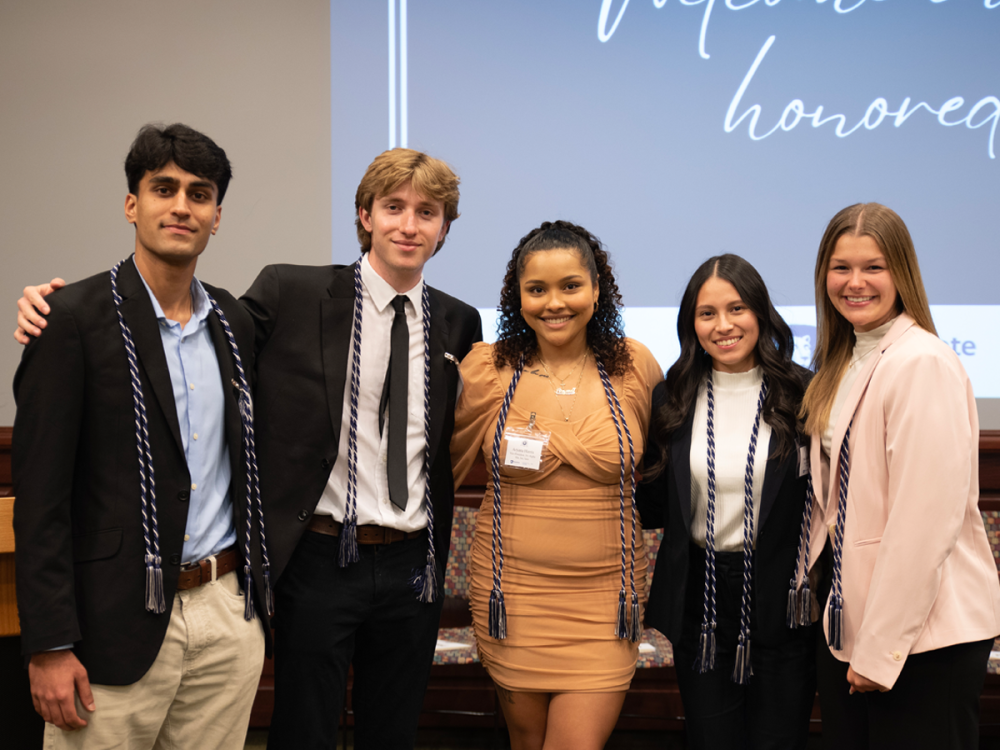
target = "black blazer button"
x: 183, y: 496
x: 325, y: 463
x: 303, y: 515
x: 175, y: 559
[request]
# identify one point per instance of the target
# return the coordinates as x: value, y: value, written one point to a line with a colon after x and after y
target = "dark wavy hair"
x: 605, y: 335
x: 154, y: 147
x: 773, y: 352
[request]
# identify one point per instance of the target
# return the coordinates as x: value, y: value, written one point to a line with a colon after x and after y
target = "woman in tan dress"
x: 559, y: 409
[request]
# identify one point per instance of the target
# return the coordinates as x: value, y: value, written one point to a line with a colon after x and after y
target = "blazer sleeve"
x: 651, y: 492
x: 262, y: 300
x: 928, y: 451
x: 49, y: 391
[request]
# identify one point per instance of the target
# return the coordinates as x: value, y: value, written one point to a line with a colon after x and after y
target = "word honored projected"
x: 985, y: 112
x: 675, y: 130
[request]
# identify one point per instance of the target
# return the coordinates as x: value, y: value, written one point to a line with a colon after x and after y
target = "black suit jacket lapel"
x: 439, y: 393
x: 337, y: 312
x: 137, y: 309
x: 680, y: 456
x: 774, y: 475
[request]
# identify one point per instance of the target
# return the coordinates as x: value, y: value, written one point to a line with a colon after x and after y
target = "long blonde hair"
x: 834, y: 334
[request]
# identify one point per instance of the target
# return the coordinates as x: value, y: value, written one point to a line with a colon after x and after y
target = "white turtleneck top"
x: 866, y: 342
x: 735, y: 408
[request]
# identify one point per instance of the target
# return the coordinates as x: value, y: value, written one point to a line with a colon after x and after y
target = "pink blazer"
x: 918, y: 572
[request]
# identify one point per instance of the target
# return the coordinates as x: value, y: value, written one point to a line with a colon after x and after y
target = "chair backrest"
x: 463, y: 528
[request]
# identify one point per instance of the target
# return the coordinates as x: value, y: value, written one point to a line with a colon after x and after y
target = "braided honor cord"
x: 705, y: 660
x: 837, y: 592
x: 799, y: 601
x: 743, y: 670
x: 253, y: 480
x: 625, y: 628
x: 155, y: 601
x: 349, y: 531
x: 425, y: 581
x: 498, y: 609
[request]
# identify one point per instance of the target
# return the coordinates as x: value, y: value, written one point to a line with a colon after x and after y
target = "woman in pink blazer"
x: 912, y: 601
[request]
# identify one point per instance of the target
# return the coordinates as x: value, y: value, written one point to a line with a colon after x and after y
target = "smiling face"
x: 557, y: 298
x: 174, y: 214
x: 726, y: 328
x: 405, y: 228
x: 859, y: 283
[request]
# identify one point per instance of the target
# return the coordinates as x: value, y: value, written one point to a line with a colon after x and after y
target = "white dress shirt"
x: 374, y: 506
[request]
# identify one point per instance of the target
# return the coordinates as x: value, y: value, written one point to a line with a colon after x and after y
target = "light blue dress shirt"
x: 198, y: 396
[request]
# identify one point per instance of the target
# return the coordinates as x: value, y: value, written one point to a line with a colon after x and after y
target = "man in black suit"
x: 132, y: 514
x: 322, y: 334
x: 358, y: 544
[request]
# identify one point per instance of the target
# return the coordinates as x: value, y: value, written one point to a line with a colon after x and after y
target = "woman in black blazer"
x: 726, y: 478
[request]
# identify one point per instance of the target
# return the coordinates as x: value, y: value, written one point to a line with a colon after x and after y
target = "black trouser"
x: 772, y: 711
x: 367, y: 613
x: 933, y: 704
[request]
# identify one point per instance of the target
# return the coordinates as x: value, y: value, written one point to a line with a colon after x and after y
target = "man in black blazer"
x: 131, y: 518
x: 331, y: 612
x: 351, y: 598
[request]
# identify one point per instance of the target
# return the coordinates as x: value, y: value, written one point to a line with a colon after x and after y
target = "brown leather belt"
x: 195, y: 574
x: 369, y: 534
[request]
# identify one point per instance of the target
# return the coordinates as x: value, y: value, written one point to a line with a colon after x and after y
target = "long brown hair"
x: 834, y: 333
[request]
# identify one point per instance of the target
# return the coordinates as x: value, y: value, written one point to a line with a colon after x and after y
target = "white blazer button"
x: 896, y: 656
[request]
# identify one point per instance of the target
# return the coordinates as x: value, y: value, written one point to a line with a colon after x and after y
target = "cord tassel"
x: 498, y: 615
x: 268, y: 591
x: 155, y: 601
x: 248, y: 610
x: 349, y: 542
x: 805, y: 602
x: 743, y: 670
x: 706, y: 649
x: 621, y: 622
x: 425, y: 582
x: 792, y: 608
x: 836, y: 622
x: 635, y: 631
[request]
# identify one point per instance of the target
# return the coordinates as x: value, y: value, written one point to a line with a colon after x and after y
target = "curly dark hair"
x: 605, y: 335
x: 787, y: 380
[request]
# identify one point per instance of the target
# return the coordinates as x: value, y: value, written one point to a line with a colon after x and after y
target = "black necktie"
x: 394, y: 395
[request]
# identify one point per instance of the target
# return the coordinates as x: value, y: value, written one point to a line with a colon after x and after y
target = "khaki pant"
x: 199, y: 691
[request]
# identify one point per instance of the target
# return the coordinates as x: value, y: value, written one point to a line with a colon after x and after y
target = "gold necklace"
x: 562, y: 390
x: 566, y: 392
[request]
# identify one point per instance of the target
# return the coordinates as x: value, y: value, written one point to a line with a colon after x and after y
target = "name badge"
x: 523, y: 453
x: 525, y: 446
x: 803, y: 460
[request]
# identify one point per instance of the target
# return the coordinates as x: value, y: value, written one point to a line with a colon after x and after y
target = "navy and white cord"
x: 799, y: 606
x: 705, y: 660
x: 155, y: 600
x: 424, y: 581
x: 253, y: 480
x: 626, y: 627
x: 836, y: 624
